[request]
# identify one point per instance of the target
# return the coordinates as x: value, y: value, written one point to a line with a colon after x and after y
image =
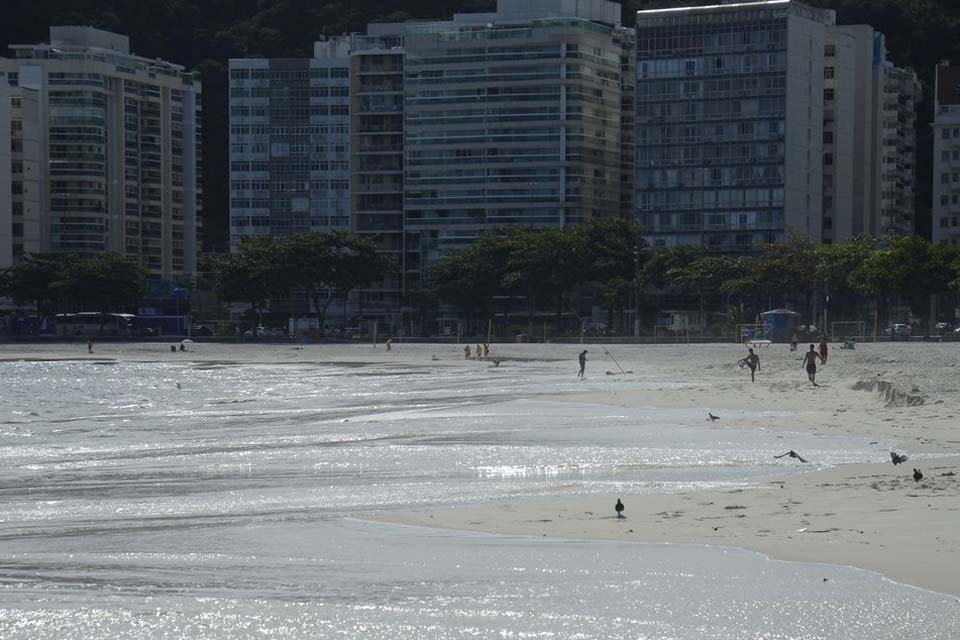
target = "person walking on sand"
x: 752, y: 361
x: 479, y: 352
x: 583, y: 362
x: 810, y: 361
x: 794, y: 341
x: 466, y: 352
x: 823, y: 350
x: 90, y: 345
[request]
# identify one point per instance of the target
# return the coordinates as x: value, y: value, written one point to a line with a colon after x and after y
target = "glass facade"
x: 289, y: 137
x: 510, y: 124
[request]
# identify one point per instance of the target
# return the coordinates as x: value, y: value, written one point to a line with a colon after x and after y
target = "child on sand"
x: 823, y: 350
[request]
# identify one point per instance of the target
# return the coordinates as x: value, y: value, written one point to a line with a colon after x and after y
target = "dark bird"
x: 711, y: 417
x: 619, y: 508
x: 898, y: 457
x: 792, y: 454
x: 917, y: 475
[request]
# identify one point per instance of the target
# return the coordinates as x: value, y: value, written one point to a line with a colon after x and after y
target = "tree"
x: 788, y: 268
x: 250, y: 275
x: 910, y: 268
x: 661, y: 262
x: 39, y: 279
x: 835, y: 263
x: 471, y: 278
x: 615, y: 256
x: 329, y: 264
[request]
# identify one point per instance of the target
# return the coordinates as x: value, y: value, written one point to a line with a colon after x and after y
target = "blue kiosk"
x: 779, y: 324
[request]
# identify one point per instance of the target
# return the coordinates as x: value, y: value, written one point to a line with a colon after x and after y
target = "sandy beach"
x: 871, y: 516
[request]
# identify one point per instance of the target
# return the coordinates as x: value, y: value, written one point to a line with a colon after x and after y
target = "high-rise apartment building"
x: 869, y: 137
x: 289, y: 143
x: 897, y: 148
x: 376, y: 167
x: 946, y: 155
x: 105, y: 152
x: 729, y: 123
x: 512, y: 118
x: 452, y: 128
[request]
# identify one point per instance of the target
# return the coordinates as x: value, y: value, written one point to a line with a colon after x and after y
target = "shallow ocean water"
x: 210, y: 500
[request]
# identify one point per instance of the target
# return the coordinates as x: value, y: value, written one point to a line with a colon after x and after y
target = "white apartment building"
x: 729, y: 123
x: 289, y: 143
x: 897, y: 148
x: 946, y: 155
x: 105, y: 152
x: 512, y: 118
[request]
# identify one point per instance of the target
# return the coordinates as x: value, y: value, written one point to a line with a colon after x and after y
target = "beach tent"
x: 779, y: 324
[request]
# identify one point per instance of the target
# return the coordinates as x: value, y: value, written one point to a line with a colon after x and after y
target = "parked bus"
x: 89, y: 323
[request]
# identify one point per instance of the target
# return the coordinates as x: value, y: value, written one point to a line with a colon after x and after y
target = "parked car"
x: 943, y: 327
x: 898, y: 331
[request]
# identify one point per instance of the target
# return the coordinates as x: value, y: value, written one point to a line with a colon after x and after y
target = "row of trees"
x: 552, y: 269
x: 62, y: 282
x: 540, y: 269
x: 326, y: 266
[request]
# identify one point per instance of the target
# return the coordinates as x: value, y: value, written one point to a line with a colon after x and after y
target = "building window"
x: 944, y: 200
x: 830, y: 50
x: 945, y: 133
x: 828, y: 159
x: 827, y: 224
x: 828, y: 95
x: 944, y: 223
x: 828, y: 137
x: 828, y: 72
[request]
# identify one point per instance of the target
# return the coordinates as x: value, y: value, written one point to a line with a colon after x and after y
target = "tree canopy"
x: 324, y: 265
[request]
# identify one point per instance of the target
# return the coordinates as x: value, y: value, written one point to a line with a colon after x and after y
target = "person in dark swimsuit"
x: 810, y: 361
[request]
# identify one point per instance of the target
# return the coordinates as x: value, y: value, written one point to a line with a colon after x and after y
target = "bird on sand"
x: 898, y: 457
x: 619, y: 508
x: 917, y: 475
x: 792, y: 454
x: 711, y: 417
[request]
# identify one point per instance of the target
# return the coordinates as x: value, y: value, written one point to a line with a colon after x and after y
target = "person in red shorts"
x: 823, y: 351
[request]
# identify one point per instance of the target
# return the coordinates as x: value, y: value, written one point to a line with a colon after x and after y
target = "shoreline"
x: 869, y: 516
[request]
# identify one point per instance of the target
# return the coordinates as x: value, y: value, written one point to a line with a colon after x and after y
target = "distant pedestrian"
x: 90, y: 345
x: 823, y: 351
x: 486, y: 350
x: 583, y: 362
x: 466, y: 352
x: 794, y: 341
x: 479, y: 351
x: 389, y: 344
x: 810, y: 361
